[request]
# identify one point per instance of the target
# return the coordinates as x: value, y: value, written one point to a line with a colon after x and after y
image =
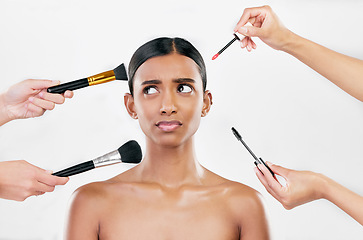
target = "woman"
x: 169, y: 195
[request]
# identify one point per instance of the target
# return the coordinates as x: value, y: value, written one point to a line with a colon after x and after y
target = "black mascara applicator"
x: 118, y: 73
x: 257, y: 160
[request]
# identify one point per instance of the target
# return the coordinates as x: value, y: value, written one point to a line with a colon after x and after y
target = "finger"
x: 41, y: 187
x: 264, y: 182
x: 283, y: 172
x: 47, y: 105
x: 271, y: 181
x: 34, y: 110
x: 50, y: 180
x: 249, y: 13
x: 244, y: 42
x: 249, y: 45
x: 68, y: 94
x: 254, y: 46
x: 41, y: 83
x: 56, y: 98
x: 250, y: 31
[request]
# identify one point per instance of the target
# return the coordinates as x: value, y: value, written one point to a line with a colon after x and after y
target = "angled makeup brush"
x: 130, y: 152
x: 257, y: 160
x: 118, y: 73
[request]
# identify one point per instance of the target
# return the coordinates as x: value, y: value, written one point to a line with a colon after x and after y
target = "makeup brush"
x: 118, y: 73
x: 257, y: 160
x: 225, y: 47
x: 130, y: 152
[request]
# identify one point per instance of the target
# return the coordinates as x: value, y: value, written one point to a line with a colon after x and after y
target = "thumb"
x: 250, y: 31
x: 283, y: 172
x: 41, y: 84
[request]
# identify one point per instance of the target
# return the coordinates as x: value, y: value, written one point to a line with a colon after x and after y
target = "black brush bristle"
x: 120, y: 73
x: 238, y: 136
x: 130, y: 152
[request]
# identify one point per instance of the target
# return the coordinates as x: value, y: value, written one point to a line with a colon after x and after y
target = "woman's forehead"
x: 166, y: 67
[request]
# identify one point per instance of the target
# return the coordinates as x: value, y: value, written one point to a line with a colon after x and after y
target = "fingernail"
x: 41, y: 94
x: 243, y: 30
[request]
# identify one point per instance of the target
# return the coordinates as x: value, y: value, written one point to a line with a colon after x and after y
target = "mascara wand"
x: 257, y: 160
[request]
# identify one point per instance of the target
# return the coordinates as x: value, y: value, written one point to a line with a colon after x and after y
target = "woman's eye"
x: 150, y: 90
x: 183, y: 88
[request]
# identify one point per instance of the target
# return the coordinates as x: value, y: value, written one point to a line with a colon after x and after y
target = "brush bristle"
x: 238, y: 136
x: 130, y: 152
x: 120, y: 73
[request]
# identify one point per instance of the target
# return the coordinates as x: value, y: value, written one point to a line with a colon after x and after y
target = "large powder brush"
x: 129, y: 152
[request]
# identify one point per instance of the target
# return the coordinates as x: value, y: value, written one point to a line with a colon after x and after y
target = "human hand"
x: 301, y: 186
x: 265, y: 25
x: 28, y: 99
x: 20, y: 180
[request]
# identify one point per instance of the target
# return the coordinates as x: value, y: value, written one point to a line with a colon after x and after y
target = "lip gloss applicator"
x: 225, y: 47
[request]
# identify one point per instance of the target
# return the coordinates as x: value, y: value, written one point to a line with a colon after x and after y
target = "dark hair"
x: 164, y: 46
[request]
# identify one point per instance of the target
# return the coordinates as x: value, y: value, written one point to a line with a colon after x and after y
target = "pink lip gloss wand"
x: 225, y: 47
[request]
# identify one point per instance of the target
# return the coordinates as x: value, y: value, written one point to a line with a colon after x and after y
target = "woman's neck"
x: 171, y: 167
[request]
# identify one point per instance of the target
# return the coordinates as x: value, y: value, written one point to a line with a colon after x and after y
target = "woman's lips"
x: 168, y: 126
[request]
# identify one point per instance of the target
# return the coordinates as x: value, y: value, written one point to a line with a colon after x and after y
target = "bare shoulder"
x: 239, y: 197
x: 245, y: 206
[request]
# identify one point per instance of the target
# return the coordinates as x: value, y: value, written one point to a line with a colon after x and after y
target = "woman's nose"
x: 168, y: 104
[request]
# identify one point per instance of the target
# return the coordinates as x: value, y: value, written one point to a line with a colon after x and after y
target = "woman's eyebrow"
x: 183, y: 80
x: 151, y: 82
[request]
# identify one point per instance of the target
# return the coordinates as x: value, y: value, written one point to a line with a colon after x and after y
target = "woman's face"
x: 168, y: 99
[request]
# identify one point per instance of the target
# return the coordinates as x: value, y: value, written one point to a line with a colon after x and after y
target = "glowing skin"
x: 169, y: 195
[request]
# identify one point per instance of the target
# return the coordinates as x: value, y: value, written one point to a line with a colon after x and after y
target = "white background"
x: 286, y: 112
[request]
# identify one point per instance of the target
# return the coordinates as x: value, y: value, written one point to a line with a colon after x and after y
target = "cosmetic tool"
x: 225, y: 47
x: 129, y: 152
x: 118, y: 73
x: 257, y: 160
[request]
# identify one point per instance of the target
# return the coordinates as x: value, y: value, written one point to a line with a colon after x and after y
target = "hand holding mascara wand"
x: 305, y: 186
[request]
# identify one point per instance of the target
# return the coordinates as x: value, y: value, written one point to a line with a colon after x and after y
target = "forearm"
x: 4, y: 117
x: 344, y: 71
x: 348, y: 201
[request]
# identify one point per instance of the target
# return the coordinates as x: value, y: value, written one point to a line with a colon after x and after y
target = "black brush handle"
x: 261, y: 161
x: 79, y: 168
x: 81, y: 83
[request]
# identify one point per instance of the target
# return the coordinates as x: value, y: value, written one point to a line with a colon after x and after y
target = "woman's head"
x: 164, y: 46
x: 167, y: 85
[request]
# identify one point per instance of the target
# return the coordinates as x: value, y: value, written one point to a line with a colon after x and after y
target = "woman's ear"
x: 207, y: 103
x: 130, y: 105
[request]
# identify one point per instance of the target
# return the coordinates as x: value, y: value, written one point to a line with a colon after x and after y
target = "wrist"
x: 291, y: 42
x: 323, y: 186
x: 4, y: 116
